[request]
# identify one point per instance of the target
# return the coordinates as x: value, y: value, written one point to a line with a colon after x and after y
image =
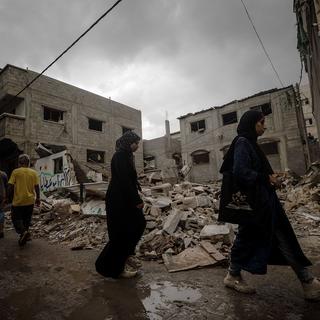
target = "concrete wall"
x: 282, y: 129
x: 51, y: 180
x: 308, y: 23
x: 161, y: 149
x: 306, y: 101
x: 78, y: 105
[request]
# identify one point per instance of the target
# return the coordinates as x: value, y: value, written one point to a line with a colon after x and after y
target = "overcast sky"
x: 178, y: 56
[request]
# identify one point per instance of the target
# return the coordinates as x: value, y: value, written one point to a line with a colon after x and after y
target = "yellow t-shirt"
x: 24, y: 181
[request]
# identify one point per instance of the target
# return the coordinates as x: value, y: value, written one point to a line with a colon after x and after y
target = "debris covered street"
x: 51, y: 282
x: 53, y: 277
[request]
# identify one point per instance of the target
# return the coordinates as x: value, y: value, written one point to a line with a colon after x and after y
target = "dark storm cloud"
x: 175, y: 55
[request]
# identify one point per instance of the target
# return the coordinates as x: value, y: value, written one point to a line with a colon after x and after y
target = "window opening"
x: 52, y: 115
x: 95, y: 125
x: 198, y: 126
x: 95, y: 156
x: 229, y: 118
x: 58, y: 165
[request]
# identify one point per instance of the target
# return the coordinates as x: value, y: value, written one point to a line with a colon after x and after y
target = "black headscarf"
x: 247, y: 129
x: 126, y: 140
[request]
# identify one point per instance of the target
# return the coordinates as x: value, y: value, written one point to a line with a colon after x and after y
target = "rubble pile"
x: 301, y: 200
x: 60, y: 220
x: 179, y: 217
x: 182, y: 228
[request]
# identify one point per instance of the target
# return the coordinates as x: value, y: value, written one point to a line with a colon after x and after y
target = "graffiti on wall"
x: 50, y: 182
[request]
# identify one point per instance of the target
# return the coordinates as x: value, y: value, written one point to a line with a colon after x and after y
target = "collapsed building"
x: 308, y: 44
x: 52, y: 117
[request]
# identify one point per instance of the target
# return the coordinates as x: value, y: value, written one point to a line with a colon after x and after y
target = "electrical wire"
x: 261, y: 43
x: 64, y: 52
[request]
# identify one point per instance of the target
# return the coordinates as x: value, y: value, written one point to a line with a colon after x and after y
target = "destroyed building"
x: 207, y: 135
x: 163, y: 155
x: 54, y: 116
x: 312, y: 132
x: 306, y: 102
x: 308, y: 44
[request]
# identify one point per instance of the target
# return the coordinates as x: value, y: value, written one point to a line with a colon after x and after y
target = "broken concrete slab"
x: 155, y: 211
x: 94, y: 208
x: 216, y: 233
x: 155, y: 177
x: 160, y: 202
x: 172, y: 221
x: 75, y: 208
x: 161, y: 189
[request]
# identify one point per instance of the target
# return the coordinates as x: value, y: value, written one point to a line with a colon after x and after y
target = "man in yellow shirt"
x: 24, y: 185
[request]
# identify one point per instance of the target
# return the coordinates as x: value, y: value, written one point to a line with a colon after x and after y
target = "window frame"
x: 99, y: 152
x: 97, y: 121
x: 201, y: 155
x: 60, y: 164
x: 234, y: 120
x: 51, y: 110
x: 196, y: 127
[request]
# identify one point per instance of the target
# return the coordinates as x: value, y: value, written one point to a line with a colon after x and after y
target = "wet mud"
x: 43, y: 281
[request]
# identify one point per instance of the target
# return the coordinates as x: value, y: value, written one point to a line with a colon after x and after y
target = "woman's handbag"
x: 234, y: 206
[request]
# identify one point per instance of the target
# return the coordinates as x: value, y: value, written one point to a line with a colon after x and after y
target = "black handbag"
x: 235, y: 205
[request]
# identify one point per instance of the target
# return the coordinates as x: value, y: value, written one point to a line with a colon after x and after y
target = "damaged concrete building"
x: 308, y: 36
x: 54, y: 116
x: 163, y: 155
x: 207, y: 135
x: 306, y: 102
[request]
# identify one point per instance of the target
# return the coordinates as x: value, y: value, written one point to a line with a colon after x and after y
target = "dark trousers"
x: 124, y: 234
x: 21, y: 218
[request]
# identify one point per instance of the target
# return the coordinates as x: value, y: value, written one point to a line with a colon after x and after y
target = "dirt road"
x: 43, y: 281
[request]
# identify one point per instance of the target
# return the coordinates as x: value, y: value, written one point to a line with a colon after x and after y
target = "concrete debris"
x: 217, y: 233
x: 94, y: 207
x: 182, y: 228
x: 161, y: 189
x: 172, y: 221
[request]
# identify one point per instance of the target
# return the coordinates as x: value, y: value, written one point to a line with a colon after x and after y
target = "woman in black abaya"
x: 125, y: 218
x: 269, y: 237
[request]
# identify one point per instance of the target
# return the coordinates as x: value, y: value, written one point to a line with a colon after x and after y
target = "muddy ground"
x: 43, y: 281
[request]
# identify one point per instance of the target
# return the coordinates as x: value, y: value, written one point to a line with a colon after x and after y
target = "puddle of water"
x: 111, y: 299
x: 164, y: 294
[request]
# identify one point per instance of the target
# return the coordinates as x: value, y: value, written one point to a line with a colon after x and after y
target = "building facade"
x: 163, y: 154
x: 306, y: 102
x: 59, y: 115
x: 207, y: 135
x: 308, y: 34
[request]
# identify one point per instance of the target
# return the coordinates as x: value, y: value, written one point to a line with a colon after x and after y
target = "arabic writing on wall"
x: 50, y: 182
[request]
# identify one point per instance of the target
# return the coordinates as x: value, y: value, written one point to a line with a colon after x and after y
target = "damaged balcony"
x: 12, y: 126
x: 12, y: 116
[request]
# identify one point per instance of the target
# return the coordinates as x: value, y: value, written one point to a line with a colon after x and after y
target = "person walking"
x: 23, y: 187
x: 267, y: 238
x: 124, y: 207
x: 3, y: 198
